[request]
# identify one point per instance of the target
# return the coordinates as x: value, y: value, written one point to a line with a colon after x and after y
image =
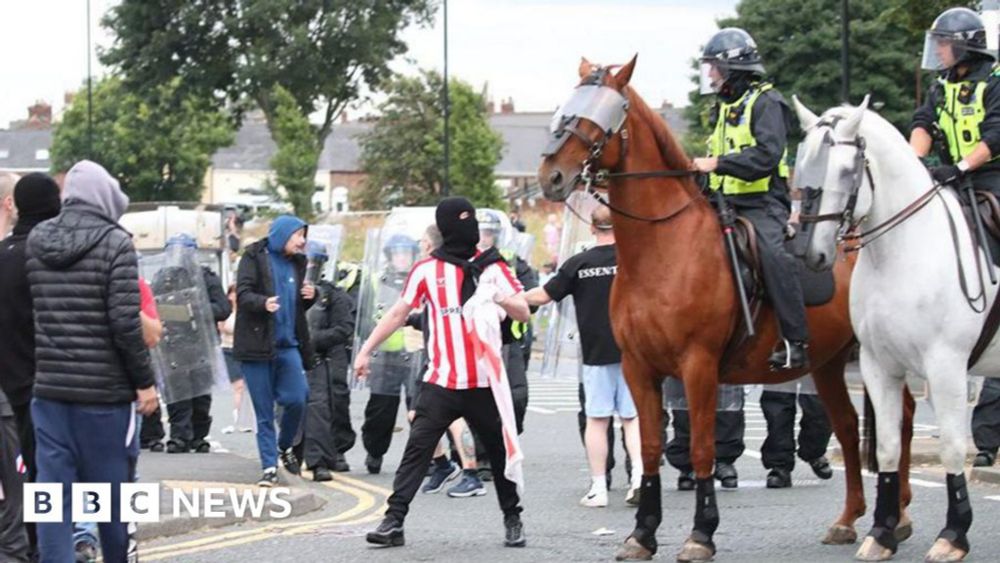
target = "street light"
x: 845, y: 59
x: 90, y: 94
x: 446, y: 186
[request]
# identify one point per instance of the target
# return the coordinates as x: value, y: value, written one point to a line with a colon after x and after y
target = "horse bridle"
x: 610, y: 122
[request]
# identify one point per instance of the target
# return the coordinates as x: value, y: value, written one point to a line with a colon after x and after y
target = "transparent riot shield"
x: 331, y: 237
x: 390, y: 253
x: 728, y: 397
x: 562, y: 338
x: 803, y: 385
x: 524, y: 245
x: 188, y: 359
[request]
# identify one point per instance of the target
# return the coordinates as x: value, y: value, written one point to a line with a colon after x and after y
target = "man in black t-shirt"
x: 587, y: 276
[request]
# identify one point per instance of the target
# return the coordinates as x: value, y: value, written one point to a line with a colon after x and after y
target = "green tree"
x: 802, y: 54
x: 158, y: 146
x: 403, y: 154
x: 323, y: 53
x: 294, y: 163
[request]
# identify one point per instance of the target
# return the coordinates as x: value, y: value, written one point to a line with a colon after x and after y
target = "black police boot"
x: 389, y: 533
x: 726, y: 474
x: 779, y: 478
x: 685, y: 481
x: 821, y: 467
x: 984, y: 459
x: 374, y: 464
x: 790, y: 354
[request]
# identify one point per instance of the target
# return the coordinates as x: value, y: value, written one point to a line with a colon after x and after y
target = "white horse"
x: 909, y: 310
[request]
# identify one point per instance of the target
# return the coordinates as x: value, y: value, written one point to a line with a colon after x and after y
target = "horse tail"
x: 869, y: 445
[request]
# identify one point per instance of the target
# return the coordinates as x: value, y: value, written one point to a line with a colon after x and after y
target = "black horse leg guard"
x: 886, y: 511
x: 650, y: 513
x: 959, y: 512
x: 706, y: 513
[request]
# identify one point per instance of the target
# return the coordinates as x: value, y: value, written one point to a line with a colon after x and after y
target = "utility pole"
x: 446, y: 187
x: 845, y: 59
x: 90, y: 93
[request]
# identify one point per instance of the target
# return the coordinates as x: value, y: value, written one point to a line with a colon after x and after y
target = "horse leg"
x: 647, y: 393
x: 950, y: 404
x: 701, y: 391
x: 905, y: 527
x: 832, y: 389
x: 886, y: 391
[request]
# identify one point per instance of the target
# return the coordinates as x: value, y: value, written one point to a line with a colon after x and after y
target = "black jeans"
x: 436, y: 408
x: 190, y: 420
x: 778, y: 450
x: 729, y: 445
x: 326, y: 416
x: 986, y: 417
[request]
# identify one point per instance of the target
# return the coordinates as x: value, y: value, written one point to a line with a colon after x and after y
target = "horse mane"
x: 671, y: 151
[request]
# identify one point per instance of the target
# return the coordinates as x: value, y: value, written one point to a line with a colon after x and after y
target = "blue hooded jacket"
x: 283, y: 272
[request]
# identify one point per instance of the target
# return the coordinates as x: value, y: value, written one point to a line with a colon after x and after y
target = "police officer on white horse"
x: 746, y: 161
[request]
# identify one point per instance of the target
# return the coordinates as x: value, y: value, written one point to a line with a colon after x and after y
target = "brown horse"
x: 674, y: 306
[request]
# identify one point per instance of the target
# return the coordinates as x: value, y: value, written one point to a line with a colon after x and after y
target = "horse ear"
x: 586, y: 67
x: 854, y: 121
x: 624, y: 74
x: 806, y: 117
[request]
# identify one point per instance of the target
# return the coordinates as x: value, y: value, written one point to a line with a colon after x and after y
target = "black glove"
x: 946, y: 174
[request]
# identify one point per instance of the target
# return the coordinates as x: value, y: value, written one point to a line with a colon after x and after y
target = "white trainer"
x: 595, y: 499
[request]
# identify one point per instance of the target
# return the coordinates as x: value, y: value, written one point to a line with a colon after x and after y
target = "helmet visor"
x: 941, y: 52
x: 712, y: 76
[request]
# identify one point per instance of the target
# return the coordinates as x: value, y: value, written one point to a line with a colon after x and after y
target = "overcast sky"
x: 525, y: 49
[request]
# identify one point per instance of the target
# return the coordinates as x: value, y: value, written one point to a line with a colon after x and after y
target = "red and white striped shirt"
x: 438, y: 285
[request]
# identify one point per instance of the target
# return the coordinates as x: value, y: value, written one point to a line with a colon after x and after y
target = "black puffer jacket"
x: 85, y: 286
x: 253, y: 338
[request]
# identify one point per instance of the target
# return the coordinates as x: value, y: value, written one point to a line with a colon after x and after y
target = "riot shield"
x: 331, y: 237
x: 728, y: 397
x: 188, y: 359
x: 390, y: 253
x: 562, y: 342
x: 524, y: 245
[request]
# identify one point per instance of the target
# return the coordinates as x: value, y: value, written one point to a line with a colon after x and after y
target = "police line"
x: 140, y: 502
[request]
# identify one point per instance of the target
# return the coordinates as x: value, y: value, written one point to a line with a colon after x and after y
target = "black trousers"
x: 14, y: 544
x: 778, y: 450
x: 780, y: 269
x: 190, y: 420
x: 344, y: 435
x: 380, y: 421
x: 436, y: 408
x: 729, y: 445
x: 325, y: 437
x: 986, y: 417
x: 152, y: 428
x: 513, y: 358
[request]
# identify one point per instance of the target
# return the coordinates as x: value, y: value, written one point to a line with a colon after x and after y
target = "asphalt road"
x: 757, y: 524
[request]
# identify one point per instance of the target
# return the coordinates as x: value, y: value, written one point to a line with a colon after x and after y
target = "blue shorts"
x: 606, y: 392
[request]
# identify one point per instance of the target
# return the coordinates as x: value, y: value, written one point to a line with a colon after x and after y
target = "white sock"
x: 598, y: 483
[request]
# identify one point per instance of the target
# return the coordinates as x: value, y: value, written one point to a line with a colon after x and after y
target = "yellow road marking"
x: 355, y: 515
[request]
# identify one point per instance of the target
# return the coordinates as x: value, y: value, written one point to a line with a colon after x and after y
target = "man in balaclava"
x: 271, y: 338
x: 453, y: 386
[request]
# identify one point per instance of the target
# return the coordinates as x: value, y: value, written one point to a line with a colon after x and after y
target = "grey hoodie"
x: 89, y: 182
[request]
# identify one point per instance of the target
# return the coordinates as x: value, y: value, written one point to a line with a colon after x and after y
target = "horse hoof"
x: 839, y: 534
x: 943, y: 551
x: 871, y: 550
x: 903, y: 530
x: 632, y: 550
x: 695, y: 552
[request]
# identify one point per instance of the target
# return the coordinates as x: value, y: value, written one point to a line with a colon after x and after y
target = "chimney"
x: 507, y: 106
x: 39, y: 115
x: 666, y: 105
x: 68, y: 98
x: 491, y: 107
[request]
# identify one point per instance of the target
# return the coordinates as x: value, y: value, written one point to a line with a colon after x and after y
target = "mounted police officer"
x: 746, y: 161
x: 962, y: 109
x: 962, y: 112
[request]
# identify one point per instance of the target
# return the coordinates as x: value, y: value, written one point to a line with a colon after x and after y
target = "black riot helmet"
x: 730, y: 49
x: 954, y: 37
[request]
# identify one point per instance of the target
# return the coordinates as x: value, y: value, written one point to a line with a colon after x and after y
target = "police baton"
x: 727, y: 217
x: 970, y: 193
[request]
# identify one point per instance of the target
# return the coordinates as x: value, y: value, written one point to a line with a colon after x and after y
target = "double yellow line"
x: 369, y: 506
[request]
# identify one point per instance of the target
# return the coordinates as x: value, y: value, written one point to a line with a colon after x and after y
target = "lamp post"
x: 90, y: 94
x: 845, y: 59
x: 446, y: 185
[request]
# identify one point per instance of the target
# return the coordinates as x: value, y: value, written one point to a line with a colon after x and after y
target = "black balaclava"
x: 36, y: 197
x: 739, y: 81
x: 456, y: 219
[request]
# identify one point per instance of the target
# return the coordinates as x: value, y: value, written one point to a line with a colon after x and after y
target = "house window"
x: 42, y: 154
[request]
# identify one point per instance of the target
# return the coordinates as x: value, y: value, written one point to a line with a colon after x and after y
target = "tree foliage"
x: 158, y: 146
x: 800, y: 42
x: 403, y: 154
x: 294, y: 163
x: 324, y: 53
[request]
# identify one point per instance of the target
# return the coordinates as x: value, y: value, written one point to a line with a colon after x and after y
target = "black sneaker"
x: 726, y: 474
x: 374, y: 464
x: 685, y: 481
x: 156, y: 447
x: 984, y: 459
x: 291, y: 463
x: 177, y: 447
x: 441, y: 476
x: 514, y: 536
x: 202, y: 447
x: 321, y: 474
x: 779, y: 479
x: 340, y: 465
x: 269, y: 479
x: 790, y: 354
x: 821, y: 467
x: 389, y: 533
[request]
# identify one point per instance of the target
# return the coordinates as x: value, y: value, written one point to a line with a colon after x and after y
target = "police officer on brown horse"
x: 746, y: 161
